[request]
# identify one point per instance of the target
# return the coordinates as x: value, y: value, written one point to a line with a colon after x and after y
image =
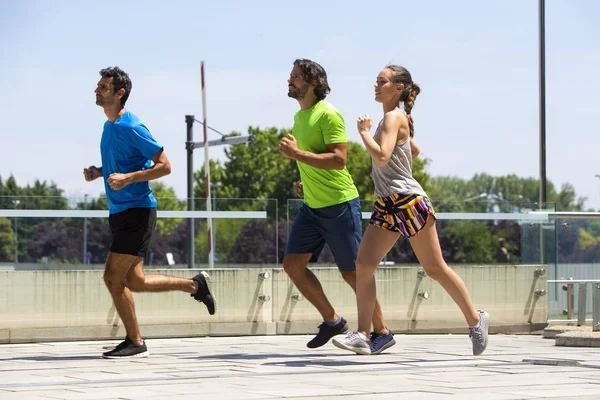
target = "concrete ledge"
x: 28, y: 335
x: 4, y: 336
x: 37, y: 306
x: 66, y: 334
x: 552, y: 331
x: 59, y: 334
x: 242, y: 329
x: 579, y: 339
x: 301, y: 327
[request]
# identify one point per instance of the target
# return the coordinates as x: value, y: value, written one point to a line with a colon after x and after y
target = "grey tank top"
x: 396, y: 175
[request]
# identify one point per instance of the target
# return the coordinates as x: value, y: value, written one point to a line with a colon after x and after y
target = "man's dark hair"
x: 120, y: 81
x: 315, y: 75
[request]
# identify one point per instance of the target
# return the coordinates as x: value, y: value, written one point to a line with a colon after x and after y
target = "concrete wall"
x: 75, y: 305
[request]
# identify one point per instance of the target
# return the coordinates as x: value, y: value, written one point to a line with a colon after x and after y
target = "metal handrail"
x: 582, y: 298
x: 568, y: 214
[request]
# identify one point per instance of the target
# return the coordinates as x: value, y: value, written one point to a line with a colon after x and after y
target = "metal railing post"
x: 581, y: 304
x: 596, y: 307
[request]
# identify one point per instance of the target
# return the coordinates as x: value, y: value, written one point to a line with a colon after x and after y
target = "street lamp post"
x: 542, y: 115
x: 542, y: 100
x: 190, y: 145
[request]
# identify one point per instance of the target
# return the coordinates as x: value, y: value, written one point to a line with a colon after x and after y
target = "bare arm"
x: 334, y: 158
x: 414, y: 148
x: 381, y: 153
x: 161, y: 167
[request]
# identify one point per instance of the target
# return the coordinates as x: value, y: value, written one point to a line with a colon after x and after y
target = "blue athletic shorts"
x: 339, y: 226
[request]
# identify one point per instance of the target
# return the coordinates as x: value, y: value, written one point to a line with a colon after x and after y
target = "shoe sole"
x: 385, y: 346
x: 139, y: 355
x: 361, y: 351
x: 209, y: 285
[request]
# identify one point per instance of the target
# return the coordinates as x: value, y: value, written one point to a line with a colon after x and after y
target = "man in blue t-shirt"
x: 130, y: 158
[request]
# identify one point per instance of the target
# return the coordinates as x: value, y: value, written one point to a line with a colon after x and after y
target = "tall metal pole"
x: 85, y: 261
x: 542, y: 103
x: 542, y: 73
x: 16, y: 203
x: 214, y: 207
x: 211, y: 260
x: 189, y: 121
x: 190, y: 145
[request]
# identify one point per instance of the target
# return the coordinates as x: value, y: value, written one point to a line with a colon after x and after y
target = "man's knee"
x: 350, y: 278
x: 294, y: 264
x: 113, y: 282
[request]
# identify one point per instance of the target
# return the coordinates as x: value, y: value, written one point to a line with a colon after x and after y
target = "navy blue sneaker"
x: 326, y: 332
x: 381, y: 342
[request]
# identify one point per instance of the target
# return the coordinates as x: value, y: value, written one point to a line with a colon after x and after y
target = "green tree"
x: 502, y: 189
x: 7, y: 240
x: 419, y: 170
x: 168, y: 201
x: 358, y: 163
x: 255, y: 170
x: 258, y: 170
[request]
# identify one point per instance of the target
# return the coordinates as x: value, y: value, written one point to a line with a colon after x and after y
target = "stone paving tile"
x: 269, y: 367
x: 573, y: 391
x: 20, y: 396
x: 593, y: 397
x: 416, y: 395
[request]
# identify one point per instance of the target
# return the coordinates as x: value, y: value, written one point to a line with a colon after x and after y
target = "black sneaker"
x: 326, y: 332
x: 127, y: 349
x: 204, y: 292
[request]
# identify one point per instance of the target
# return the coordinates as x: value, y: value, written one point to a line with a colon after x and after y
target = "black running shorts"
x: 132, y: 230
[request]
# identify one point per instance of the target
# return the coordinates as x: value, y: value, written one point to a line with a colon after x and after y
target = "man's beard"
x: 298, y: 93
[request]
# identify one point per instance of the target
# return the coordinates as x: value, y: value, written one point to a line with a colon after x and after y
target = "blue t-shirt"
x: 127, y: 146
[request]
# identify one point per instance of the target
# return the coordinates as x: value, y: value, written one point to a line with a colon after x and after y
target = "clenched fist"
x: 364, y: 123
x: 91, y: 173
x: 117, y: 181
x: 288, y: 147
x: 298, y: 189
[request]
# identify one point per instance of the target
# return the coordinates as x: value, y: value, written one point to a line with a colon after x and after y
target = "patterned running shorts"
x: 401, y: 213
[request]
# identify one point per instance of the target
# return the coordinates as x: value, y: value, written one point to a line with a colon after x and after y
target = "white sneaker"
x: 479, y: 333
x: 354, y: 341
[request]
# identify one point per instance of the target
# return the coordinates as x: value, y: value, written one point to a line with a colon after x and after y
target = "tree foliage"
x: 255, y: 177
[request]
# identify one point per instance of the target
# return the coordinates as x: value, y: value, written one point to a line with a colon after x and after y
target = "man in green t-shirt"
x: 331, y: 211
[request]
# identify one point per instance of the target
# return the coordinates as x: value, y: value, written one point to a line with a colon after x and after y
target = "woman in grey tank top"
x: 401, y: 209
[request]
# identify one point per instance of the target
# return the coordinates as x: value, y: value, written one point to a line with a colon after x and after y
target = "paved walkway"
x: 281, y: 367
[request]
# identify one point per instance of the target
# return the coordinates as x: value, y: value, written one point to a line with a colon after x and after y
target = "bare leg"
x: 137, y: 281
x: 426, y: 246
x: 295, y: 265
x: 115, y: 278
x: 375, y: 244
x: 379, y: 325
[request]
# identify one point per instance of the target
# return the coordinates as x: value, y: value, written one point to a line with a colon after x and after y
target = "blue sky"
x: 476, y: 63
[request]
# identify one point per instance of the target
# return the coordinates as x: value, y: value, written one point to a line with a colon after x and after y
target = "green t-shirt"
x: 320, y: 125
